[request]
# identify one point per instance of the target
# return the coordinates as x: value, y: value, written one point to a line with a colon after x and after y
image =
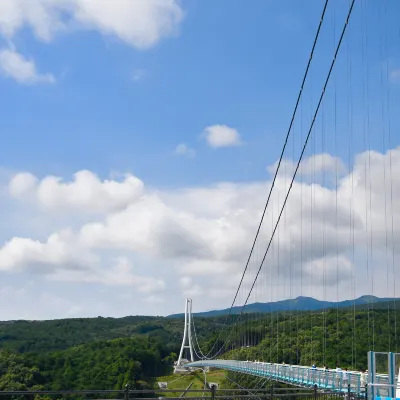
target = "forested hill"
x: 107, y: 353
x: 53, y: 335
x: 98, y: 353
x: 298, y: 304
x: 321, y: 338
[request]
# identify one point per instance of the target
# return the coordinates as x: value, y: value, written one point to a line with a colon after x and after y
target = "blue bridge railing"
x: 334, y: 380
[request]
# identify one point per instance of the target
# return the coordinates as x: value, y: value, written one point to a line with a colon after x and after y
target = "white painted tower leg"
x: 187, y: 333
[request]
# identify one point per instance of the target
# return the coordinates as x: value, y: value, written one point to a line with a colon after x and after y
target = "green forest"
x: 108, y: 353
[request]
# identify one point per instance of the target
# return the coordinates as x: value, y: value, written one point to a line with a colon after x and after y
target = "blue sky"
x: 100, y: 100
x: 236, y: 65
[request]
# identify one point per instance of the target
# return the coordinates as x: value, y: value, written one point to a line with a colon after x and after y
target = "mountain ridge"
x: 300, y: 303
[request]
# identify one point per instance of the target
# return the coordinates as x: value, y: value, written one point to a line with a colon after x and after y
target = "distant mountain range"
x: 298, y: 304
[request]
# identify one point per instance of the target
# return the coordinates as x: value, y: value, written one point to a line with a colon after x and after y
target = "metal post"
x: 126, y: 395
x: 272, y: 392
x: 371, y: 374
x: 392, y: 375
x: 348, y: 391
x: 366, y: 392
x: 213, y: 392
x: 315, y: 392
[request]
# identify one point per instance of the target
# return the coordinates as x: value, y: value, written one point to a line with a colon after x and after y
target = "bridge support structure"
x: 187, y: 337
x: 383, y: 386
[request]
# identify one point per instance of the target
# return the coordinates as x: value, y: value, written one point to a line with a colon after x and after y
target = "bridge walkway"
x: 297, y: 375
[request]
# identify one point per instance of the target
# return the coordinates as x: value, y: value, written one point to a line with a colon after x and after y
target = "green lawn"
x: 180, y: 382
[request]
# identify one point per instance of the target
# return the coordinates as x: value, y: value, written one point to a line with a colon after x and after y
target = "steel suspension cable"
x: 351, y: 201
x: 301, y: 156
x: 303, y: 149
x: 391, y: 202
x: 196, y: 340
x: 336, y: 211
x: 297, y: 165
x: 279, y: 164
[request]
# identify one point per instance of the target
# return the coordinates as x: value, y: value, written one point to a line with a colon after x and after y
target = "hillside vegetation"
x: 324, y: 338
x: 107, y: 353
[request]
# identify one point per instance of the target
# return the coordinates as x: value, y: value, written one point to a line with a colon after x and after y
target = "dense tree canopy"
x: 107, y: 353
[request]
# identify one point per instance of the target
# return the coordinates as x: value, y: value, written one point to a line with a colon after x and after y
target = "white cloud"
x: 33, y: 304
x: 34, y: 256
x: 22, y: 184
x: 221, y: 136
x: 205, y: 268
x: 190, y: 288
x: 195, y: 241
x: 120, y: 274
x: 14, y: 65
x: 139, y: 23
x: 328, y: 269
x: 148, y: 226
x: 154, y: 299
x: 395, y: 75
x: 311, y: 166
x: 183, y: 150
x: 85, y: 193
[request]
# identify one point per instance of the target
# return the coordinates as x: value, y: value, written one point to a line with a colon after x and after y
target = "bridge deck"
x: 296, y: 375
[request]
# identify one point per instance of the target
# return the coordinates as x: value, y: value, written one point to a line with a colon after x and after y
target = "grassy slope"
x: 182, y: 382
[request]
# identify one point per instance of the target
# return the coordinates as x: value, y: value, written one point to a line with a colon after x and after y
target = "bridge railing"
x: 297, y: 375
x: 382, y: 385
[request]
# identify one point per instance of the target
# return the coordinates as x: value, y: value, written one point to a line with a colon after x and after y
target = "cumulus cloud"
x: 311, y: 166
x: 139, y: 23
x: 62, y: 258
x: 201, y: 237
x: 120, y: 274
x: 22, y: 184
x: 85, y: 193
x: 14, y: 65
x: 149, y: 226
x: 221, y: 136
x: 183, y: 150
x: 328, y: 269
x: 190, y: 288
x: 60, y: 250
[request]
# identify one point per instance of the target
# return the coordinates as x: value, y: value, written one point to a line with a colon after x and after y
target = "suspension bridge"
x: 323, y: 251
x: 335, y: 380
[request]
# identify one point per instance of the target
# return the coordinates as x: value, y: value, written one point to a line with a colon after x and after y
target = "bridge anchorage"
x: 370, y: 384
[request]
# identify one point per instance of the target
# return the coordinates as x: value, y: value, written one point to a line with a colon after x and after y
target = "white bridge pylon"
x: 187, y: 338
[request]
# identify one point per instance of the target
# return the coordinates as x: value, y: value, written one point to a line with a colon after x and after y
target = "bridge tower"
x: 187, y: 334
